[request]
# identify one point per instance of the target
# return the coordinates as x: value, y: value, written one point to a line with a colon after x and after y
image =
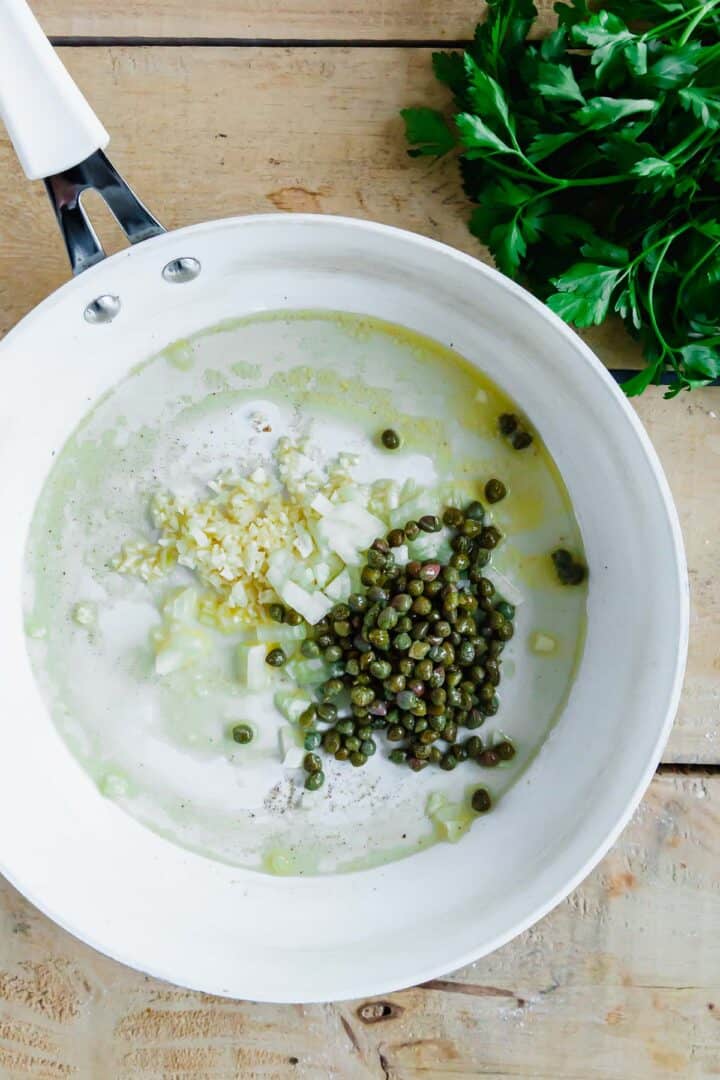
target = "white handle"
x: 50, y: 123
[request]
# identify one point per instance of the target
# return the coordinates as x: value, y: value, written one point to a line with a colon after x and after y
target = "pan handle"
x: 58, y: 138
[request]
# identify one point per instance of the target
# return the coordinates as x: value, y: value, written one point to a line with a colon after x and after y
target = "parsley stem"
x: 696, y: 21
x: 667, y: 350
x: 688, y: 141
x: 689, y: 274
x: 700, y: 12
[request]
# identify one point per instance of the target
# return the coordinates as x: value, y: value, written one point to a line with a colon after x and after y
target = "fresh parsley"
x: 594, y: 159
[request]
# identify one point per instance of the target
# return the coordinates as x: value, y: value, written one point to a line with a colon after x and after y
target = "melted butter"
x: 160, y: 747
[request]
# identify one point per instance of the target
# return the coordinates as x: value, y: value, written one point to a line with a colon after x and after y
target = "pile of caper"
x: 416, y: 655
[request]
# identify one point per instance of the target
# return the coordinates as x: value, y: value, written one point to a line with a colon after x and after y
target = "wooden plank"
x: 209, y: 132
x: 621, y: 981
x: 369, y: 20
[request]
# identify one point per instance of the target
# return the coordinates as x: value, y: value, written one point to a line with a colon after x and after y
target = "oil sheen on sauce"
x: 159, y: 746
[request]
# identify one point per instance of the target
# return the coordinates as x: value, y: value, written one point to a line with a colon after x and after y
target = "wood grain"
x: 209, y: 132
x: 370, y: 20
x: 621, y: 982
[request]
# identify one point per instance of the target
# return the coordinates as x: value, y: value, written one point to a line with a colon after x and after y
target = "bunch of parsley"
x: 593, y: 157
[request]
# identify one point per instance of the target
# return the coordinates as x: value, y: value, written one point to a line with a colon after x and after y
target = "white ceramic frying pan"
x: 186, y: 918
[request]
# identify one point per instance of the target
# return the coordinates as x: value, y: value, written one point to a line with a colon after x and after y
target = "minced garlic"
x: 228, y: 537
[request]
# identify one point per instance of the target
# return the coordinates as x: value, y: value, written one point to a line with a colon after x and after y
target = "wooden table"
x: 236, y: 106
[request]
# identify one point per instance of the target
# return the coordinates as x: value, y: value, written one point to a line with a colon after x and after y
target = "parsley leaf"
x: 584, y: 293
x: 477, y: 137
x: 601, y: 112
x: 556, y: 82
x: 428, y: 132
x: 592, y: 158
x: 704, y: 103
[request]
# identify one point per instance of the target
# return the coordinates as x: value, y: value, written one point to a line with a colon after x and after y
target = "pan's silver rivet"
x: 103, y: 309
x: 178, y: 271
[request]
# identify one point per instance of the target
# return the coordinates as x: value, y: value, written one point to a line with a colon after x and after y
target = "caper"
x: 473, y: 746
x: 327, y: 712
x: 396, y: 733
x: 505, y: 632
x: 276, y: 658
x: 398, y: 757
x: 331, y: 741
x: 474, y: 719
x: 402, y: 602
x: 390, y: 439
x: 435, y: 756
x: 402, y: 642
x: 380, y: 669
x: 504, y: 750
x: 489, y: 758
x: 312, y: 763
x: 521, y: 440
x: 461, y: 544
x: 406, y: 699
x: 412, y: 530
x: 466, y: 653
x: 475, y: 510
x: 387, y: 619
x: 396, y: 537
x: 370, y: 576
x: 345, y: 727
x: 424, y: 669
x: 307, y: 717
x: 481, y: 801
x: 569, y: 571
x: 471, y: 529
x: 417, y: 764
x: 332, y: 654
x: 495, y: 490
x: 416, y: 588
x: 277, y: 612
x: 242, y: 733
x: 507, y: 423
x: 506, y: 610
x: 428, y: 572
x: 490, y: 537
x: 375, y: 559
x: 396, y: 683
x: 449, y: 762
x: 315, y: 780
x: 357, y: 602
x: 379, y: 638
x: 362, y: 695
x: 310, y: 649
x: 351, y: 743
x: 429, y: 523
x: 452, y: 517
x: 343, y: 754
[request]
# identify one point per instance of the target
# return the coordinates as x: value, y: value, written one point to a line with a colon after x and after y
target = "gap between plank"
x: 677, y: 768
x: 71, y: 41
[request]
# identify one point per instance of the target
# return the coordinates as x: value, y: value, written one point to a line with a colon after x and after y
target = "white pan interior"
x: 230, y: 931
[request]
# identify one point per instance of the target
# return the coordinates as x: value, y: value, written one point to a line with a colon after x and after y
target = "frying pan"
x: 181, y: 916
